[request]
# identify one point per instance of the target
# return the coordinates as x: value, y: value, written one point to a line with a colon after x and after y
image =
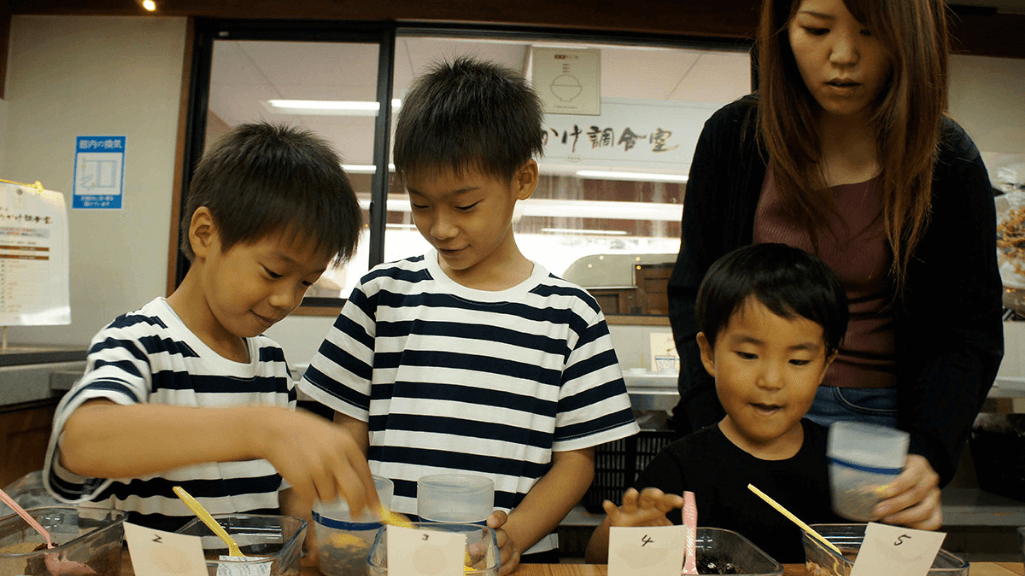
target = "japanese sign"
x: 33, y: 257
x: 643, y: 134
x: 99, y: 172
x: 568, y: 81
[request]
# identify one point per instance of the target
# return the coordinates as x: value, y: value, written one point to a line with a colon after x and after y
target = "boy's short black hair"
x: 788, y: 281
x: 469, y: 114
x: 260, y: 179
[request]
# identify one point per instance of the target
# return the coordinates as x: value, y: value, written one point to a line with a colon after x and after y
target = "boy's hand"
x: 913, y: 498
x: 319, y: 459
x: 647, y: 508
x: 507, y: 549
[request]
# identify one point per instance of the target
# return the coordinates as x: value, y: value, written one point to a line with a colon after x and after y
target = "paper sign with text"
x: 896, y: 551
x: 157, y: 553
x: 413, y: 552
x: 646, y: 550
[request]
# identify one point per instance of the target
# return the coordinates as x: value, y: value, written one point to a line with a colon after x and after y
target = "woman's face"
x: 844, y: 64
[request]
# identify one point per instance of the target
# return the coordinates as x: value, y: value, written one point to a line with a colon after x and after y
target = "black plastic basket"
x: 617, y: 464
x: 999, y: 457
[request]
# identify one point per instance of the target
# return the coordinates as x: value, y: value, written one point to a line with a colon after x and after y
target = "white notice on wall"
x: 33, y: 257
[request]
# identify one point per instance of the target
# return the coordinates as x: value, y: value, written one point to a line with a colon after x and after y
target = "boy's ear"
x: 525, y: 179
x: 707, y: 354
x: 202, y: 232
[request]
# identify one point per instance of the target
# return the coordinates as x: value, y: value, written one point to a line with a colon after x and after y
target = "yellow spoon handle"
x: 207, y: 519
x: 779, y: 508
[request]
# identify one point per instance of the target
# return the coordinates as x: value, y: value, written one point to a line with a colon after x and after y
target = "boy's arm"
x: 358, y: 429
x: 551, y: 499
x: 102, y: 439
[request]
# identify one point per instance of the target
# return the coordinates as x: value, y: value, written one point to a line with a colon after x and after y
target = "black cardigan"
x: 949, y: 333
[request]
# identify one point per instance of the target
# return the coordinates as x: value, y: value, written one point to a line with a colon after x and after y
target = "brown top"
x: 853, y: 242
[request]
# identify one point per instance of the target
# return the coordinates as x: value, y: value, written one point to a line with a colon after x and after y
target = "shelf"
x: 975, y: 507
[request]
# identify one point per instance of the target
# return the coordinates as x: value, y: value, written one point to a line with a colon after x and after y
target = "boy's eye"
x: 418, y: 206
x: 800, y: 362
x: 866, y: 32
x: 271, y: 273
x: 746, y: 355
x: 468, y: 207
x: 816, y: 31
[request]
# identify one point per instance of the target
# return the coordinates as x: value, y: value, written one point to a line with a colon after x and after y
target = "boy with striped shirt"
x: 472, y: 358
x: 186, y: 391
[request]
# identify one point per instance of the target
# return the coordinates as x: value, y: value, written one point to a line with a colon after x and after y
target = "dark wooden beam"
x: 979, y: 32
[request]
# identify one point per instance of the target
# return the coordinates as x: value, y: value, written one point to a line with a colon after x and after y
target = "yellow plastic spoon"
x: 779, y: 508
x: 207, y: 519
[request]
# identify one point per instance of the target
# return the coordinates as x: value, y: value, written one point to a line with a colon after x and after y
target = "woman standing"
x: 845, y: 152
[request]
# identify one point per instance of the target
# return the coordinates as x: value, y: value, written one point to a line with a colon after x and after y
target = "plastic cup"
x: 482, y: 557
x: 862, y: 459
x: 343, y: 541
x: 460, y: 498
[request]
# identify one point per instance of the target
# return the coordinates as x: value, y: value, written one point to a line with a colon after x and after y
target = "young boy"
x: 771, y: 318
x: 472, y: 358
x: 186, y: 391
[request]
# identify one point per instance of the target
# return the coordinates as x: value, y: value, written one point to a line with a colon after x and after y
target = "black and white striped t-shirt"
x: 452, y: 379
x: 150, y: 357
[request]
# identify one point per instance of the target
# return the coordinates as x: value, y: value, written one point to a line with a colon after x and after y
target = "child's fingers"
x: 669, y: 502
x: 650, y: 498
x: 630, y: 498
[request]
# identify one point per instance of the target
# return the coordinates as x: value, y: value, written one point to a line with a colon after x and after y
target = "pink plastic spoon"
x: 55, y: 564
x: 690, y: 519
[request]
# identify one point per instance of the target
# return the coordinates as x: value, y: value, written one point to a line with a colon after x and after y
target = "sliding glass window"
x: 622, y: 119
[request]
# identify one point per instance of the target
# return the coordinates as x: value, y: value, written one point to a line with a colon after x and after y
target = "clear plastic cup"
x: 862, y: 459
x: 460, y: 498
x: 343, y: 541
x: 482, y: 557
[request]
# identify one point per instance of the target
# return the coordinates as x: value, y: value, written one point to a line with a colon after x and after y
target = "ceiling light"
x: 364, y: 168
x: 641, y: 176
x: 584, y: 231
x: 328, y: 107
x: 149, y: 5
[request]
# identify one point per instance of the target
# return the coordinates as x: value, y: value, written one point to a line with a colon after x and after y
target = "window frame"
x: 384, y: 34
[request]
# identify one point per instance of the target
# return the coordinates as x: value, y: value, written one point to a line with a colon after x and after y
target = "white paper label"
x: 646, y: 550
x: 157, y: 553
x: 413, y: 552
x: 896, y: 551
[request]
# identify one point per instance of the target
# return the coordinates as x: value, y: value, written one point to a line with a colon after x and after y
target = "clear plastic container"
x: 721, y: 549
x: 482, y: 556
x: 90, y: 536
x: 821, y: 561
x: 263, y: 538
x: 455, y: 498
x: 862, y: 459
x: 343, y: 542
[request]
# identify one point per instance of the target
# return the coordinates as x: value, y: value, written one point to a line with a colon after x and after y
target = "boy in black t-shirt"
x: 772, y: 318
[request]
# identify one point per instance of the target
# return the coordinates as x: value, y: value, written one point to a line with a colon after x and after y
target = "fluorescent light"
x: 329, y: 107
x: 584, y: 231
x: 544, y: 207
x: 364, y: 168
x: 642, y: 176
x: 149, y: 5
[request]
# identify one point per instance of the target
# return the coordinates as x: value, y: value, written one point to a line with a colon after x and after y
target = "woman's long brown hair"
x: 907, y: 117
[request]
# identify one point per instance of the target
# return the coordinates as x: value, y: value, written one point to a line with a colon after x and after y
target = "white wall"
x: 986, y: 98
x: 74, y: 76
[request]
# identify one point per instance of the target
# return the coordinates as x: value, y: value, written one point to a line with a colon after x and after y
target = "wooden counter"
x: 977, y: 569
